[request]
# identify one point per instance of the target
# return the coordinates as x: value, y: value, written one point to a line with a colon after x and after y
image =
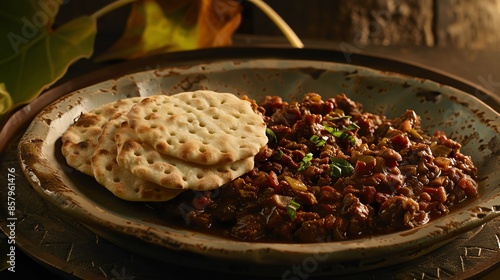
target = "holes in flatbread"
x: 234, y: 167
x: 199, y: 175
x: 215, y: 117
x: 220, y: 169
x: 182, y: 141
x: 202, y: 149
x: 202, y: 124
x: 116, y: 179
x: 243, y: 146
x: 137, y: 190
x: 109, y: 167
x: 153, y: 126
x: 167, y: 172
x: 150, y: 161
x: 137, y: 153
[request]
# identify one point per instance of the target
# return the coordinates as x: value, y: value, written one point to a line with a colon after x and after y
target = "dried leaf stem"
x: 280, y: 23
x: 110, y: 7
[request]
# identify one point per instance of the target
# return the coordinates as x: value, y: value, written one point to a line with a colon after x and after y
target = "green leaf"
x: 163, y: 25
x: 34, y: 56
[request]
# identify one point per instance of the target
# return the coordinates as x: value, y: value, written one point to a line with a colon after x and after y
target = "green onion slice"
x: 342, y: 133
x: 306, y: 162
x: 339, y: 167
x: 271, y: 135
x: 318, y: 141
x: 291, y: 209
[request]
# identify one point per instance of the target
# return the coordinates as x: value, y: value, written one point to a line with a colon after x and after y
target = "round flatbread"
x: 80, y: 140
x: 202, y: 127
x: 145, y: 162
x: 121, y: 182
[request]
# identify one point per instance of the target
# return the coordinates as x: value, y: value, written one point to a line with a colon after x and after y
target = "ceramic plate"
x: 463, y: 116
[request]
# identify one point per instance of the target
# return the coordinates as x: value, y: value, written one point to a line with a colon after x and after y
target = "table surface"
x: 481, y: 68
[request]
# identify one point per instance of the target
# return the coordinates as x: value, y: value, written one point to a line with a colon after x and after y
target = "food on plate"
x: 314, y: 170
x: 332, y: 172
x: 106, y: 143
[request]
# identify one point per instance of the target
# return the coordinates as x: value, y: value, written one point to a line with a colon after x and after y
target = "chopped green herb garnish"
x: 306, y: 162
x: 342, y: 133
x: 270, y: 134
x: 339, y: 167
x: 318, y: 141
x: 333, y: 131
x: 280, y: 154
x: 291, y: 209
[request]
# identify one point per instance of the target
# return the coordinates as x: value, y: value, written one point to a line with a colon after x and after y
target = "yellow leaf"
x: 164, y: 25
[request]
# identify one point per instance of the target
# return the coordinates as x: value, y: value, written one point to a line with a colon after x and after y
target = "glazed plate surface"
x: 463, y: 116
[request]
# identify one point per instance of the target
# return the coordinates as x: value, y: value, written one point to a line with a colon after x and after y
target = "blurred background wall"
x: 464, y: 24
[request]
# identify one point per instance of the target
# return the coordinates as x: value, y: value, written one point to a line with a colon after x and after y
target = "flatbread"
x: 121, y: 182
x: 145, y: 162
x: 80, y: 140
x: 202, y: 127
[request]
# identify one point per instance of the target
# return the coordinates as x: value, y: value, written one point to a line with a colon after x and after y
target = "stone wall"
x: 469, y: 23
x: 473, y: 24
